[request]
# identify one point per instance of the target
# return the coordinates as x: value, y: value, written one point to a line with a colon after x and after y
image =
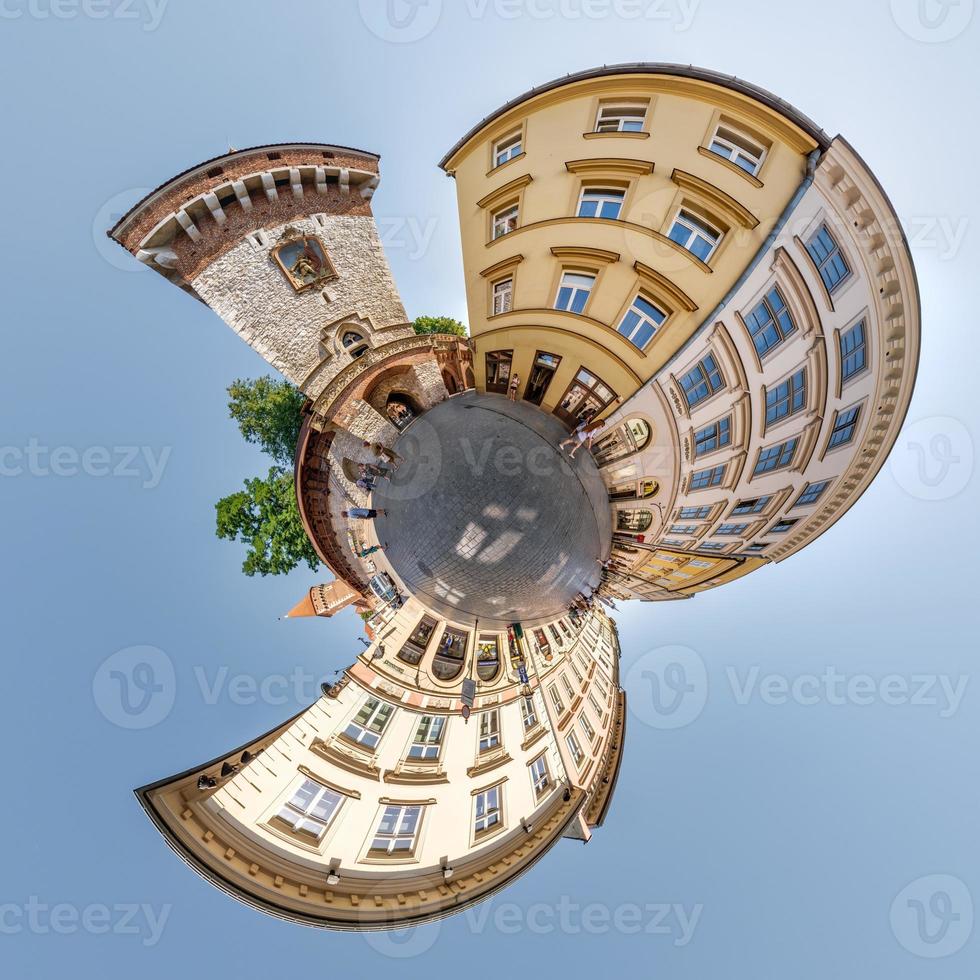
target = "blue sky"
x: 789, y: 821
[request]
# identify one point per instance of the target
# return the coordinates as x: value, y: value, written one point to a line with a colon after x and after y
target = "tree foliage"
x: 268, y: 415
x: 264, y: 515
x: 439, y: 324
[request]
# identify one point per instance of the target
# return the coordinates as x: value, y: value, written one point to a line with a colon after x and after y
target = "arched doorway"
x: 401, y: 408
x: 449, y: 380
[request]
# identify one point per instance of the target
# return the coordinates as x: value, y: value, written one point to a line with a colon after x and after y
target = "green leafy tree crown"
x: 264, y: 515
x: 439, y: 324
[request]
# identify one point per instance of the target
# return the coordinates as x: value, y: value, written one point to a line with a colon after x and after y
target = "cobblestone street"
x: 486, y: 519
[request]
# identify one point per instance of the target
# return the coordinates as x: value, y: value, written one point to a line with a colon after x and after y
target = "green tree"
x: 439, y: 324
x: 264, y: 515
x: 268, y: 414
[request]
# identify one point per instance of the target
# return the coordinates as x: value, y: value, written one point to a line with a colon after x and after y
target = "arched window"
x: 414, y: 647
x: 487, y: 658
x: 354, y: 343
x: 448, y: 661
x: 635, y: 521
x: 626, y: 439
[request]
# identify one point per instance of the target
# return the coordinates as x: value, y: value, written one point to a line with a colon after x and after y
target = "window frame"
x: 697, y: 225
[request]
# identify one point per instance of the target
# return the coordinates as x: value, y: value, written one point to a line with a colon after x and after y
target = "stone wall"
x: 295, y: 331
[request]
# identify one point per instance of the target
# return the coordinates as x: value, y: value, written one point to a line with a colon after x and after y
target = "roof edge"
x: 654, y: 68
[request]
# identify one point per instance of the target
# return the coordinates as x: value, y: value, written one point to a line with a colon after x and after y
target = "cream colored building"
x: 382, y: 805
x: 694, y: 261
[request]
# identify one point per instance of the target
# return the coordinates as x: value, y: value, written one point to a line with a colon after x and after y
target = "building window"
x: 714, y: 546
x: 487, y: 658
x: 540, y: 777
x: 428, y: 737
x: 699, y: 563
x: 781, y: 527
x: 556, y: 699
x: 683, y: 529
x: 490, y: 730
x: 600, y: 202
x: 829, y: 259
x: 812, y: 493
x: 573, y: 291
x: 586, y: 396
x: 505, y: 221
x: 693, y: 234
x: 596, y: 707
x: 488, y: 810
x: 450, y: 653
x: 776, y: 457
x: 369, y: 723
x: 498, y: 370
x: 755, y: 548
x: 621, y: 117
x: 853, y: 351
x: 641, y: 322
x: 731, y: 530
x: 633, y: 521
x: 695, y: 513
x: 528, y: 713
x: 711, y: 477
x: 507, y: 148
x: 754, y: 506
x: 586, y: 727
x: 625, y: 440
x: 414, y: 647
x: 311, y: 808
x: 569, y: 690
x: 542, y: 371
x: 503, y: 296
x: 845, y: 425
x: 770, y: 323
x: 738, y: 148
x: 786, y: 398
x: 713, y: 436
x: 576, y: 750
x: 702, y: 381
x: 397, y: 830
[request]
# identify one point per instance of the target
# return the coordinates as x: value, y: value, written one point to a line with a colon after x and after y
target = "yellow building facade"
x: 605, y: 215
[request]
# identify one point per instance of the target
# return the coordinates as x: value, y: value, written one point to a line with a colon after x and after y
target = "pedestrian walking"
x: 381, y: 451
x: 365, y: 484
x: 585, y: 432
x: 364, y: 552
x: 515, y: 383
x: 363, y: 513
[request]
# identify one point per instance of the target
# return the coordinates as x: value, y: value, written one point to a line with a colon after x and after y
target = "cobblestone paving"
x: 487, y: 518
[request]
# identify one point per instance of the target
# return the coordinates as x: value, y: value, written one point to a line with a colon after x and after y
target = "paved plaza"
x: 487, y: 519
